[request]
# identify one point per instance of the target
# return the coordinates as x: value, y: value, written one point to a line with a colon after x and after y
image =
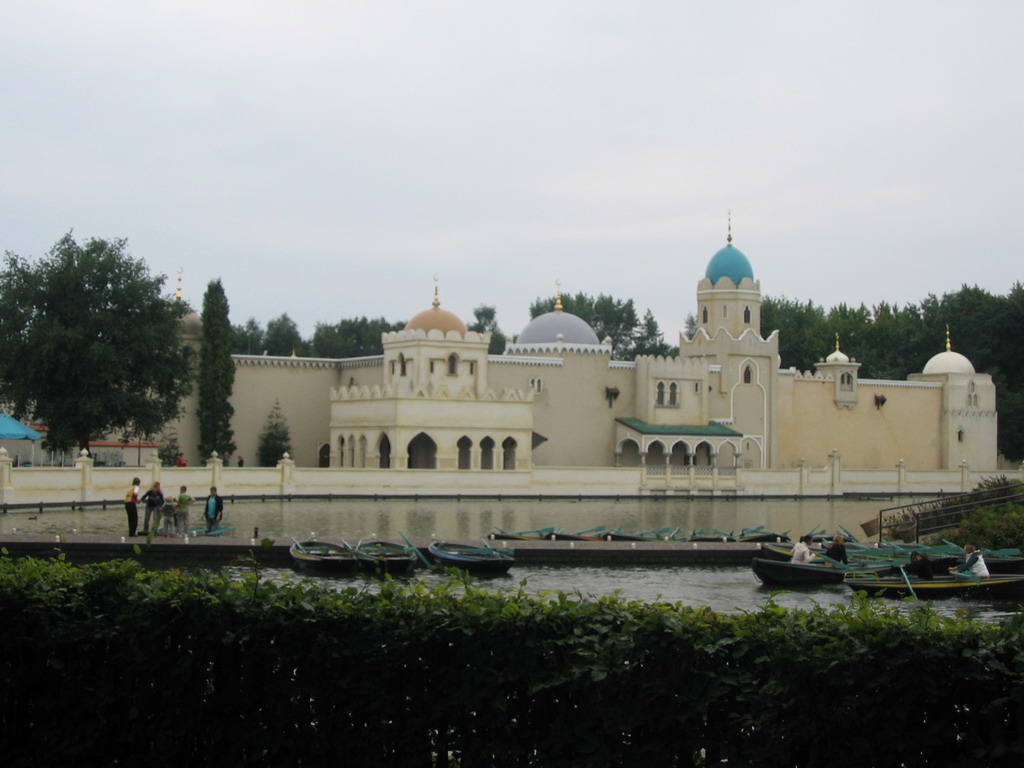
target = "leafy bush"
x: 994, y: 527
x: 116, y: 665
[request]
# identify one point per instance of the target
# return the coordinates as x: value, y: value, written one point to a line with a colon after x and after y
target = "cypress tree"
x: 216, y: 375
x: 275, y: 440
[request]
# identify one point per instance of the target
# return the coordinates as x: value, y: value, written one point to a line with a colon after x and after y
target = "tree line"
x: 90, y: 346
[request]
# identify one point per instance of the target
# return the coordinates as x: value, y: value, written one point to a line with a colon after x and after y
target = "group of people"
x: 172, y: 514
x: 920, y: 565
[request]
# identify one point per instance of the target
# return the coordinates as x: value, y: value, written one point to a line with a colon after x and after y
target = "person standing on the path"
x: 154, y: 499
x: 241, y: 461
x: 181, y: 512
x: 213, y: 510
x: 131, y: 506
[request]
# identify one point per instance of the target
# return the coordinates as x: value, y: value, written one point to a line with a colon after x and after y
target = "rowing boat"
x: 480, y: 560
x: 323, y: 556
x: 995, y: 586
x: 385, y: 557
x: 778, y: 572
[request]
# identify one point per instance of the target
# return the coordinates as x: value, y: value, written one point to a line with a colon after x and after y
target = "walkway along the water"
x: 163, y: 552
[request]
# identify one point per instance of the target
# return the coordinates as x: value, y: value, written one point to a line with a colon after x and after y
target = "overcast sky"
x: 327, y: 158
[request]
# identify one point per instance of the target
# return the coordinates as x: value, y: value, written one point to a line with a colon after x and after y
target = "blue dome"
x: 729, y: 262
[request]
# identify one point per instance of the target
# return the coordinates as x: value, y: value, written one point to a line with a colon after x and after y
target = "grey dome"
x: 557, y: 326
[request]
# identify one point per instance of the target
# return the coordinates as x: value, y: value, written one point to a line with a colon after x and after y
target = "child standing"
x: 181, y: 512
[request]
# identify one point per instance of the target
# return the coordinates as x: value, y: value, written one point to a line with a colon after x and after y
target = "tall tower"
x: 728, y: 298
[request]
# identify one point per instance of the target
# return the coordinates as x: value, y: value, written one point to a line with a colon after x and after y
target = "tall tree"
x: 275, y: 440
x: 651, y: 341
x: 216, y: 375
x: 247, y: 339
x: 283, y: 338
x: 486, y: 322
x: 355, y: 337
x: 88, y: 345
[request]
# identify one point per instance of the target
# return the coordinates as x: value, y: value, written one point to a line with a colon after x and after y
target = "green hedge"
x: 114, y: 665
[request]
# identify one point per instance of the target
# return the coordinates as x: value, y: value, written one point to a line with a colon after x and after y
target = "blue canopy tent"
x: 12, y: 429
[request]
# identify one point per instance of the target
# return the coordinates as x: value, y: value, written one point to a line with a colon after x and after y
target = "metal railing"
x: 911, y: 522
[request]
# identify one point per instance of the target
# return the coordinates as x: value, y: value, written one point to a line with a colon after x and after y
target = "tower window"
x: 704, y: 314
x: 746, y: 314
x: 748, y: 375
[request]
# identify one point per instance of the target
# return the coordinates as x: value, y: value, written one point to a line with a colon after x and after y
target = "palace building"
x: 435, y: 399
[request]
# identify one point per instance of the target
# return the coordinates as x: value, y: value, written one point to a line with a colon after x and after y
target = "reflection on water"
x: 473, y: 519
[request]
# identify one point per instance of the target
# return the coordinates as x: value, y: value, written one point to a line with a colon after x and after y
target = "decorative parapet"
x: 443, y: 392
x: 560, y: 347
x: 268, y: 361
x: 418, y: 334
x: 551, y: 362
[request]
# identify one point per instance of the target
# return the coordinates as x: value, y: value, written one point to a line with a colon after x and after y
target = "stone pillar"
x: 5, y: 471
x: 965, y: 477
x: 153, y: 465
x: 836, y: 465
x: 901, y: 476
x: 216, y: 465
x: 805, y: 475
x: 287, y: 467
x: 84, y: 464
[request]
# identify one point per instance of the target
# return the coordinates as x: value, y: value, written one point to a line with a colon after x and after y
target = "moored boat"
x: 323, y: 556
x: 995, y: 586
x: 385, y: 557
x: 784, y: 573
x: 480, y: 560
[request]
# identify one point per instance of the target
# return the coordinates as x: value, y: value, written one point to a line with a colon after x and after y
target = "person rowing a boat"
x: 973, y: 565
x: 802, y: 551
x: 919, y: 566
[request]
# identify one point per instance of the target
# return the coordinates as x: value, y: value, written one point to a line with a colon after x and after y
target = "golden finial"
x: 177, y: 291
x: 837, y: 341
x: 558, y: 295
x: 437, y: 301
x: 728, y: 240
x: 949, y: 347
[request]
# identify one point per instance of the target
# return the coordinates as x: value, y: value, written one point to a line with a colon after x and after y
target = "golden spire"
x: 437, y: 301
x: 558, y: 295
x: 728, y: 240
x: 837, y: 341
x: 177, y: 292
x: 949, y: 347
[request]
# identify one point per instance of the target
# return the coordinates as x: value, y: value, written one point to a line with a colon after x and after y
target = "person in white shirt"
x: 802, y: 551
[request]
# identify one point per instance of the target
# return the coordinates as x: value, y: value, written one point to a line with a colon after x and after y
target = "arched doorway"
x: 384, y: 452
x: 323, y: 455
x: 629, y: 454
x: 341, y: 450
x: 422, y: 452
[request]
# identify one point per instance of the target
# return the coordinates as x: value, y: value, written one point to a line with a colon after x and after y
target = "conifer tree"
x: 275, y: 440
x: 216, y: 375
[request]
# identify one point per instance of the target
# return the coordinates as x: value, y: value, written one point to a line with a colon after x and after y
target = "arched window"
x: 960, y: 435
x: 508, y: 458
x: 453, y: 364
x: 464, y: 445
x: 725, y: 311
x: 384, y: 452
x: 704, y: 314
x: 746, y: 314
x: 401, y: 365
x: 748, y: 375
x: 673, y: 394
x: 846, y: 382
x: 659, y: 398
x: 487, y: 453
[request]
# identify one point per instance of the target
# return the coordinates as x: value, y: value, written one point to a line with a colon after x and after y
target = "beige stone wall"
x: 906, y: 427
x: 302, y: 385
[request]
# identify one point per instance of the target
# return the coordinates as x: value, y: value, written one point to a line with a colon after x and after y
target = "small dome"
x: 949, y: 362
x: 436, y: 319
x: 557, y: 326
x: 192, y: 326
x: 837, y: 357
x: 729, y: 262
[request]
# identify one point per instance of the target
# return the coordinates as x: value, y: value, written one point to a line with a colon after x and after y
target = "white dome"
x: 837, y: 357
x: 949, y: 362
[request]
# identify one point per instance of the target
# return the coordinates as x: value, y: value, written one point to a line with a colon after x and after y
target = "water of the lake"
x: 725, y: 589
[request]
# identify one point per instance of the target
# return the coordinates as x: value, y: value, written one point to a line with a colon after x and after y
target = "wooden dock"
x: 214, y: 551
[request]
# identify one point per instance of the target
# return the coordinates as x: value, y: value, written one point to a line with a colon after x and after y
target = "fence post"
x: 5, y: 472
x: 287, y: 467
